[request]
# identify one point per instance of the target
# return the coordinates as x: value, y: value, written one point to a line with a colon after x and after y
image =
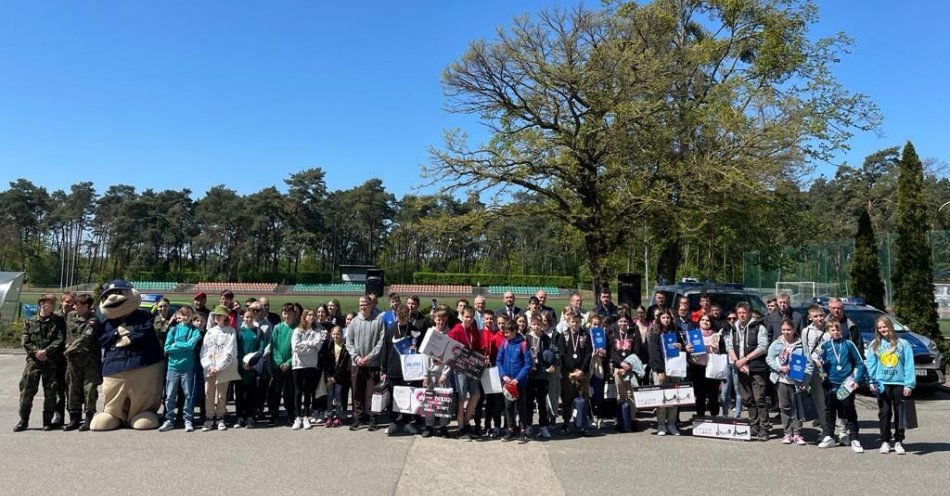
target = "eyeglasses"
x: 731, y: 318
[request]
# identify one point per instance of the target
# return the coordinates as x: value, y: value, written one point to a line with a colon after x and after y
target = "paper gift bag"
x: 414, y: 367
x: 380, y: 400
x: 909, y: 413
x: 716, y: 366
x: 491, y: 382
x: 676, y: 367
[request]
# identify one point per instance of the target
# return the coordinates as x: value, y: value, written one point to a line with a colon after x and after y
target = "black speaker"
x: 628, y: 289
x: 374, y: 282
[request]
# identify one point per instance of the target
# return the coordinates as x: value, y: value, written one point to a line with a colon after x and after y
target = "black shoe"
x: 444, y: 431
x: 86, y: 423
x: 763, y: 436
x: 509, y: 435
x: 427, y: 432
x: 356, y: 425
x: 74, y: 423
x: 565, y: 430
x: 57, y: 420
x: 22, y: 425
x: 473, y: 433
x: 372, y: 425
x: 524, y: 439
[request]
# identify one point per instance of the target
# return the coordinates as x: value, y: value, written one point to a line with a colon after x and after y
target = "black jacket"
x: 655, y: 353
x: 339, y: 369
x: 390, y: 364
x: 773, y: 323
x: 621, y: 349
x: 576, y: 358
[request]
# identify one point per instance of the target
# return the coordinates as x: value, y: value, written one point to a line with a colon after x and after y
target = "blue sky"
x: 193, y: 94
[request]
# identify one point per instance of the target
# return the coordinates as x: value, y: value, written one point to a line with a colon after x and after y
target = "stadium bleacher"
x: 431, y: 289
x: 329, y: 288
x: 154, y: 285
x: 237, y: 287
x: 522, y: 290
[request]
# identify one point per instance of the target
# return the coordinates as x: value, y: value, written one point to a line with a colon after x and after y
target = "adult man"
x: 542, y: 296
x: 849, y: 330
x: 577, y: 305
x: 683, y: 318
x: 364, y: 342
x: 747, y: 344
x: 201, y: 304
x: 271, y: 317
x: 81, y: 349
x: 606, y: 308
x: 43, y: 341
x: 479, y: 310
x: 510, y: 309
x: 659, y: 304
x: 705, y: 306
x: 783, y: 310
x: 163, y: 319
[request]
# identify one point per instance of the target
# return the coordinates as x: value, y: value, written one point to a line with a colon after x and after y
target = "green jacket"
x: 41, y: 333
x: 250, y: 342
x: 82, y: 339
x: 280, y: 349
x: 180, y: 344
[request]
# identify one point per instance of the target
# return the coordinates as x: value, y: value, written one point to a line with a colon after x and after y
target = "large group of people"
x: 561, y: 373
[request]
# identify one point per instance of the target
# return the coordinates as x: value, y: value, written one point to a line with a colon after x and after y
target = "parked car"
x: 726, y: 295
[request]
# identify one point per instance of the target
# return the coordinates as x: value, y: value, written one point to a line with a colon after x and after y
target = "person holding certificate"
x: 790, y: 370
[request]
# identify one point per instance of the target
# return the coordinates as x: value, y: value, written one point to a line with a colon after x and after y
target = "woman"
x: 890, y: 364
x: 706, y: 390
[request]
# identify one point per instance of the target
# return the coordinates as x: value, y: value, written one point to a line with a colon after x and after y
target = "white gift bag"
x: 676, y: 367
x: 491, y: 381
x: 414, y: 366
x: 716, y: 366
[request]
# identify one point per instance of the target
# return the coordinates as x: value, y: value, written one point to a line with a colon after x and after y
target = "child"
x: 251, y: 352
x: 180, y: 343
x: 890, y: 365
x: 707, y: 390
x: 43, y: 341
x: 812, y: 338
x: 779, y: 360
x: 469, y: 389
x: 514, y: 363
x: 542, y: 366
x: 82, y: 363
x: 219, y: 361
x: 491, y: 404
x: 438, y: 375
x: 305, y: 342
x: 335, y: 361
x: 200, y: 322
x: 840, y: 361
x: 554, y: 378
x: 625, y: 340
x: 598, y: 375
x: 391, y: 363
x: 666, y: 417
x: 281, y: 359
x: 575, y: 362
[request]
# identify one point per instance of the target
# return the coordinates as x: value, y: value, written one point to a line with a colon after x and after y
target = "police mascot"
x: 131, y: 361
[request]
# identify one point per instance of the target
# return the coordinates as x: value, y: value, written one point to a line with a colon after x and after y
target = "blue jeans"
x: 335, y: 409
x: 185, y: 381
x: 730, y: 389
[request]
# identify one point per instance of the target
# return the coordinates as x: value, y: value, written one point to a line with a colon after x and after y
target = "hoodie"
x: 219, y: 351
x: 889, y: 366
x: 180, y: 343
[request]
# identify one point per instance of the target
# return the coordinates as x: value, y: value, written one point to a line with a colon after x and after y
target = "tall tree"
x: 914, y: 301
x: 866, y: 279
x: 667, y: 112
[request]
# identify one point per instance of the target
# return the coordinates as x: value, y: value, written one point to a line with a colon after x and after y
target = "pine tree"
x: 914, y: 303
x: 866, y: 279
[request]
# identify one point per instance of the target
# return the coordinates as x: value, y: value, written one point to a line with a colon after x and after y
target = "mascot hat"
x: 118, y: 299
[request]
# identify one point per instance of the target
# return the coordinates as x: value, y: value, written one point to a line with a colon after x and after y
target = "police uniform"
x: 41, y: 333
x: 83, y: 373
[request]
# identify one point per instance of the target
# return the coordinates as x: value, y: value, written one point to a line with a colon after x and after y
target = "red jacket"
x: 471, y: 339
x: 493, y: 340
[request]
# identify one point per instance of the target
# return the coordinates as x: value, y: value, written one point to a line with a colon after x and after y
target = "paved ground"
x: 322, y: 461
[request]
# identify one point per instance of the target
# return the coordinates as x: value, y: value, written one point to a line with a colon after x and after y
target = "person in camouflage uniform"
x: 43, y: 341
x: 83, y: 371
x: 67, y: 303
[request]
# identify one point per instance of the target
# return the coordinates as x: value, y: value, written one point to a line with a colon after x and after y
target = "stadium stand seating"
x: 329, y: 288
x: 431, y: 289
x: 522, y: 290
x: 154, y: 285
x: 237, y: 287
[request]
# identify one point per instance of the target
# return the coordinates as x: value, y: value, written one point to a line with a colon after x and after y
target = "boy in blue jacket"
x: 514, y: 364
x: 844, y: 371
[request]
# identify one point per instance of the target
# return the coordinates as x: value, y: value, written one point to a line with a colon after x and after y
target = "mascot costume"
x: 131, y: 361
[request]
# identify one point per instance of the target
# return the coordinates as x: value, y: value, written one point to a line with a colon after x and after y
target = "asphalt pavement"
x: 272, y: 461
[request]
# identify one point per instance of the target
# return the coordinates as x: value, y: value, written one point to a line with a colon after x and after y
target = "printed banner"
x: 437, y: 402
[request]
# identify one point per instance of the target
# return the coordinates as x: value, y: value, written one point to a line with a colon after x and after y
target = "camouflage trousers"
x: 33, y: 373
x: 83, y: 378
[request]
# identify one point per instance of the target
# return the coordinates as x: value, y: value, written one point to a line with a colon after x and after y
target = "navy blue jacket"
x: 142, y: 352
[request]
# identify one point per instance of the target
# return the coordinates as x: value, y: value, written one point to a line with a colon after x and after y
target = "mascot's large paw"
x: 104, y: 422
x: 145, y: 421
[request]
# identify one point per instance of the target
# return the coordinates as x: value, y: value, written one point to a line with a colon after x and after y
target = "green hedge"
x: 492, y: 279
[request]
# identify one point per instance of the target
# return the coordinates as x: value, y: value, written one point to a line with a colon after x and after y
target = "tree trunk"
x: 596, y: 261
x: 669, y: 260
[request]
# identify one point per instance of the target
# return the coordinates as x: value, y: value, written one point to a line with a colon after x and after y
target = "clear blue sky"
x: 175, y: 94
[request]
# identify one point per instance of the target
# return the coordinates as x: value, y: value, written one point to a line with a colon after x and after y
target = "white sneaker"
x: 189, y: 427
x: 671, y: 428
x: 787, y: 439
x: 167, y: 426
x: 856, y: 446
x: 238, y: 423
x: 208, y: 425
x: 306, y: 424
x: 222, y: 426
x: 844, y: 440
x: 298, y: 424
x: 827, y: 442
x: 899, y: 448
x: 660, y: 429
x: 545, y: 433
x: 885, y: 448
